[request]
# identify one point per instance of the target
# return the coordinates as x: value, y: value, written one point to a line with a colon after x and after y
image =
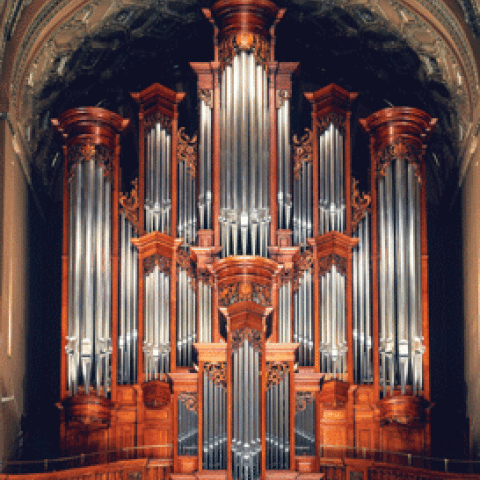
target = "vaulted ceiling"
x: 390, y: 54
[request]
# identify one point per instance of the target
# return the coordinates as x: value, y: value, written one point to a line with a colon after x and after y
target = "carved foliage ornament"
x: 216, y: 372
x: 163, y: 263
x: 244, y: 42
x: 187, y: 151
x: 304, y: 264
x: 276, y: 372
x: 244, y: 291
x: 400, y: 149
x: 163, y: 120
x: 190, y: 400
x: 129, y: 205
x: 325, y: 264
x: 302, y: 151
x: 184, y: 263
x: 88, y: 151
x: 331, y: 119
x: 360, y: 204
x: 283, y: 95
x: 254, y: 337
x: 302, y: 399
x: 206, y: 96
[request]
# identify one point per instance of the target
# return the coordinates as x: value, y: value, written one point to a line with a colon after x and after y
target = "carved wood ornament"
x: 187, y: 151
x: 254, y: 337
x: 157, y: 117
x: 302, y: 399
x: 276, y: 372
x: 190, y: 400
x: 163, y: 263
x: 129, y: 205
x: 87, y: 151
x: 302, y: 151
x: 360, y: 204
x: 242, y: 292
x: 216, y: 372
x: 400, y: 149
x: 325, y: 264
x: 244, y: 42
x: 332, y: 118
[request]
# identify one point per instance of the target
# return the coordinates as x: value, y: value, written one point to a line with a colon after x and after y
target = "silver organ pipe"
x: 246, y: 440
x: 362, y: 315
x: 88, y: 326
x: 333, y: 345
x: 127, y: 324
x: 205, y: 163
x: 156, y: 345
x: 284, y: 166
x: 214, y: 425
x: 303, y: 319
x: 331, y: 196
x: 278, y: 424
x: 186, y: 317
x: 187, y: 427
x: 305, y: 427
x: 400, y: 313
x: 284, y: 312
x: 157, y: 179
x: 244, y: 149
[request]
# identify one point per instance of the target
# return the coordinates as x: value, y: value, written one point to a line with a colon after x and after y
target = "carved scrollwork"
x: 206, y: 96
x: 302, y: 399
x: 325, y: 264
x: 217, y: 373
x: 332, y: 118
x: 244, y: 42
x: 242, y: 292
x: 302, y: 151
x: 130, y: 206
x: 400, y: 149
x: 276, y: 372
x: 187, y: 151
x: 283, y: 95
x: 304, y: 263
x: 163, y: 263
x: 254, y: 337
x: 157, y: 117
x: 190, y: 400
x: 360, y: 204
x: 184, y: 262
x: 87, y: 151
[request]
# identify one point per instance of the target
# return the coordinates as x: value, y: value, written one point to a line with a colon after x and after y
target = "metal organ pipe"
x: 127, y: 325
x: 401, y: 341
x: 88, y: 323
x: 245, y: 155
x: 284, y: 166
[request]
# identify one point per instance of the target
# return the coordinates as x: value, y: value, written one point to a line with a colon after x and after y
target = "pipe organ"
x: 245, y: 307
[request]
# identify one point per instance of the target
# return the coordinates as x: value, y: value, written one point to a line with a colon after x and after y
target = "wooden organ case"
x: 244, y: 309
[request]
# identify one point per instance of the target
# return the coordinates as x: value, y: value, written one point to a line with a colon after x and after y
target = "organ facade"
x: 245, y: 308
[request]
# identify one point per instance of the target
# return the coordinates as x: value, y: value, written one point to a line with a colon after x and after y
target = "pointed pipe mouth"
x: 245, y: 16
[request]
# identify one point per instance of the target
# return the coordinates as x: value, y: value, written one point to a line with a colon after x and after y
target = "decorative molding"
x: 130, y: 205
x: 302, y: 151
x: 187, y: 151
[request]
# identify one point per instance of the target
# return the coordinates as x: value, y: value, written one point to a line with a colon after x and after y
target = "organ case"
x: 245, y: 309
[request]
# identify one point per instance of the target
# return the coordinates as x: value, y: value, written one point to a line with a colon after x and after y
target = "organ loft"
x: 245, y: 309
